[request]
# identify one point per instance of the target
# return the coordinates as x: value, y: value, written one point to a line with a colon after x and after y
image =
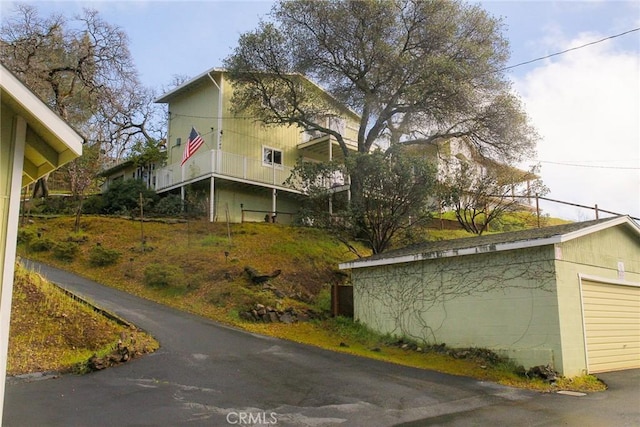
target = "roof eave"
x: 167, y: 96
x: 499, y: 247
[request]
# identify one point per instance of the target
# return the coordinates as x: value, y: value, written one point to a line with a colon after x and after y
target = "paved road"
x: 211, y: 375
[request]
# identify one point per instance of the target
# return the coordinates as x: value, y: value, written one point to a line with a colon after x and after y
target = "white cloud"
x: 586, y: 107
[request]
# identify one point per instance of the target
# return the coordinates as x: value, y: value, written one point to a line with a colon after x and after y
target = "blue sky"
x: 585, y: 104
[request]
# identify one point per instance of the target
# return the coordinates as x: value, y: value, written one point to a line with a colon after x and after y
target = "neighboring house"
x: 33, y: 142
x: 242, y: 164
x: 567, y: 296
x: 450, y: 155
x: 129, y: 170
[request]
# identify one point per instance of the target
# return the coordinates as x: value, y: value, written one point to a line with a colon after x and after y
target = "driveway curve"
x: 212, y: 375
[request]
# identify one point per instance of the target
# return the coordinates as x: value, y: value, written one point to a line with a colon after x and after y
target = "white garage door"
x: 612, y: 326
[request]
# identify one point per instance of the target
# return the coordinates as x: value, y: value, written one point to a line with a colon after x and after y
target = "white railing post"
x: 213, y: 161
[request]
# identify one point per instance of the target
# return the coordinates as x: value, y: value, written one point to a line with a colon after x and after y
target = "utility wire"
x: 590, y: 166
x: 569, y: 50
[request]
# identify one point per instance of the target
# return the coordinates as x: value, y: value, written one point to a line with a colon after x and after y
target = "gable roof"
x: 50, y: 141
x: 207, y: 76
x: 493, y: 242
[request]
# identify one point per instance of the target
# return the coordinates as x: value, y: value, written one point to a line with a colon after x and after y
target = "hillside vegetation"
x: 200, y: 267
x: 49, y: 331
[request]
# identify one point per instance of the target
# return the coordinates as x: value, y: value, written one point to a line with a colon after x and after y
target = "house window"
x: 271, y: 157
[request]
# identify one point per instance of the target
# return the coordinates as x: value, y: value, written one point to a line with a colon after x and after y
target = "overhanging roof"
x: 493, y: 242
x: 50, y: 141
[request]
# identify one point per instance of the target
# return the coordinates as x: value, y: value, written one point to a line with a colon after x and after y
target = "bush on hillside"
x: 41, y: 244
x: 99, y: 256
x: 26, y: 235
x: 123, y: 197
x: 163, y: 276
x: 170, y: 205
x: 65, y: 251
x: 93, y: 205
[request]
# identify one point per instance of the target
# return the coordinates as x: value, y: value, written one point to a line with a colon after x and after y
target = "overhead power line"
x: 590, y: 166
x: 570, y: 49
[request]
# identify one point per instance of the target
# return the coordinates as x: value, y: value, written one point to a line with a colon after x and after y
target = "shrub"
x: 168, y: 206
x: 41, y: 244
x: 26, y: 235
x: 79, y: 237
x: 323, y: 300
x: 93, y: 205
x: 57, y: 205
x: 163, y: 276
x: 65, y: 251
x: 100, y: 256
x: 123, y: 196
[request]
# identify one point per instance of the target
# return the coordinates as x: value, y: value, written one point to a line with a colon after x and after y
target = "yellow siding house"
x: 242, y: 164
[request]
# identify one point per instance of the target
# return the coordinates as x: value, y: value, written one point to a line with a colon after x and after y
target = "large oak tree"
x: 416, y: 72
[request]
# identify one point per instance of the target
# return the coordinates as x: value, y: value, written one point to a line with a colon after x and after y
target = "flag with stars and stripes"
x: 195, y: 141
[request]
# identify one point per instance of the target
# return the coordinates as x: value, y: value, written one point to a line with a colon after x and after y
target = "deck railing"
x: 222, y: 163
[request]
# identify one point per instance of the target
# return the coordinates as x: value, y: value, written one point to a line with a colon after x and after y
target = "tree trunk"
x: 41, y: 189
x: 76, y: 224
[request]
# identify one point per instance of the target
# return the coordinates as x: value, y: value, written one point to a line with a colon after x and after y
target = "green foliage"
x: 148, y: 152
x: 354, y: 331
x: 99, y: 256
x: 56, y: 205
x: 170, y: 205
x: 93, y: 205
x: 163, y: 276
x: 65, y: 251
x: 79, y: 237
x: 394, y: 190
x: 323, y: 299
x: 123, y: 197
x: 26, y: 235
x: 41, y: 244
x: 213, y: 240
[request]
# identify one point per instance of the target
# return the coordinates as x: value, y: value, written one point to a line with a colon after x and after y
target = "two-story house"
x: 242, y: 164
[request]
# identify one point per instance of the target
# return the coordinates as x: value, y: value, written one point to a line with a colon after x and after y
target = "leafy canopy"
x: 414, y: 71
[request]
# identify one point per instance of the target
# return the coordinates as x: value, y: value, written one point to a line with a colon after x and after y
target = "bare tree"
x: 480, y: 197
x: 83, y: 70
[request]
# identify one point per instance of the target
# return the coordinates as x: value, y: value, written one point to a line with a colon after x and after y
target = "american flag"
x: 194, y: 142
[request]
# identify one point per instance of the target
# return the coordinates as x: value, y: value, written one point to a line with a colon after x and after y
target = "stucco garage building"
x: 568, y: 295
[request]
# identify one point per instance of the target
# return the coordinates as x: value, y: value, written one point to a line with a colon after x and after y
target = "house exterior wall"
x: 257, y: 202
x: 195, y: 108
x: 504, y: 301
x: 595, y: 255
x: 7, y: 149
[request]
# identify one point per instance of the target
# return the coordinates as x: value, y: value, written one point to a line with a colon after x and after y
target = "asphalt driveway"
x: 211, y: 375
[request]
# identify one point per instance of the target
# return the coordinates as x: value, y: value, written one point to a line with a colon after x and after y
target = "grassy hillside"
x: 199, y: 267
x: 49, y: 331
x: 195, y: 266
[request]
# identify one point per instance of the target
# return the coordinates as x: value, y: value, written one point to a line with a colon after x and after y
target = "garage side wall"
x: 595, y: 255
x: 504, y: 301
